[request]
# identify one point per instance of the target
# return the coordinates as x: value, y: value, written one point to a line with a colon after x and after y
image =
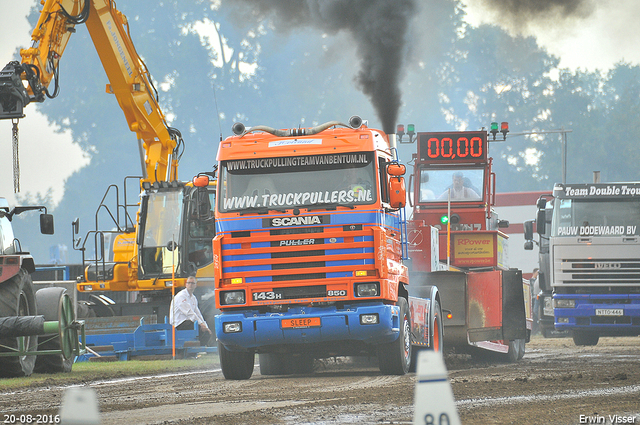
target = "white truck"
x: 590, y: 259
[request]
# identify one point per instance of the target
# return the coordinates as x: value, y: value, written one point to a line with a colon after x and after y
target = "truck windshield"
x: 596, y: 218
x: 464, y: 185
x: 300, y: 181
x: 159, y: 253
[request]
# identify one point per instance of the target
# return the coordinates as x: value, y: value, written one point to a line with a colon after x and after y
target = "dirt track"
x: 555, y: 383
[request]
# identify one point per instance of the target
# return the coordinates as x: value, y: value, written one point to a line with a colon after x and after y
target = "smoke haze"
x: 379, y: 28
x: 518, y: 15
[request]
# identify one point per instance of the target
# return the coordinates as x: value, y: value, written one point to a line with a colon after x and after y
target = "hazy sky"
x: 597, y: 41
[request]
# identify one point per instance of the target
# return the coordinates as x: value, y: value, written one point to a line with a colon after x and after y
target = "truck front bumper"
x: 250, y: 329
x: 608, y: 314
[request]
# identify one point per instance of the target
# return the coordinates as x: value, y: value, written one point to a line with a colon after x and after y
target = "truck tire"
x: 285, y: 364
x: 301, y: 364
x: 437, y: 333
x: 17, y: 299
x: 236, y: 365
x: 516, y: 351
x: 271, y: 364
x: 48, y: 301
x: 394, y: 358
x: 585, y: 338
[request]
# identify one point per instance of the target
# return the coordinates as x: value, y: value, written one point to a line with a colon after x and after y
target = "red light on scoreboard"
x: 460, y: 146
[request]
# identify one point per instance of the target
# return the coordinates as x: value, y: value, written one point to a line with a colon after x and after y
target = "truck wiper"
x: 255, y: 210
x: 332, y: 206
x: 260, y: 210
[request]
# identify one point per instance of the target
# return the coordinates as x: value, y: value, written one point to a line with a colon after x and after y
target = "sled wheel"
x: 55, y: 305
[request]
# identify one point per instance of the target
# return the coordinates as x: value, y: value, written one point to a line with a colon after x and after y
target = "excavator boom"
x: 29, y: 80
x: 171, y: 238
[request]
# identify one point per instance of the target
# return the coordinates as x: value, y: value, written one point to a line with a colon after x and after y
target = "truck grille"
x: 304, y: 253
x: 609, y: 271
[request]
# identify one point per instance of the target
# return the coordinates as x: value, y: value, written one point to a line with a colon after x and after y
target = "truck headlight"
x: 547, y: 306
x: 369, y: 319
x: 369, y: 289
x: 564, y: 303
x: 232, y: 297
x: 232, y: 327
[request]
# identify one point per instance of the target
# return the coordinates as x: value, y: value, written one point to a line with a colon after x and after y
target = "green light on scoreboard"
x: 444, y: 219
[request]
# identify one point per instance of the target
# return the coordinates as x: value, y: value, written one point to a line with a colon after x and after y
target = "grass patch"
x: 86, y: 372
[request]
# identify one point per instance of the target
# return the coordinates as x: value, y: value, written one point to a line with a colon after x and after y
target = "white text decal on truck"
x: 298, y: 199
x: 602, y: 191
x: 596, y: 230
x: 297, y: 161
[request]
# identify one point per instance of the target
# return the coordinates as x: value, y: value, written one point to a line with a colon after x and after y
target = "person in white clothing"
x: 184, y: 311
x: 459, y: 191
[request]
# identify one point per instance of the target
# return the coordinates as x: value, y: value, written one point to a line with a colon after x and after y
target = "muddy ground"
x: 555, y: 383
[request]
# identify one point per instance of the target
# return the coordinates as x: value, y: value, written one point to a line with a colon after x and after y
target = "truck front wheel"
x: 17, y: 299
x: 394, y: 358
x: 236, y: 365
x: 585, y: 338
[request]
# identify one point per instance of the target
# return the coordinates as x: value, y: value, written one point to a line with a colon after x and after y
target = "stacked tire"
x: 17, y: 299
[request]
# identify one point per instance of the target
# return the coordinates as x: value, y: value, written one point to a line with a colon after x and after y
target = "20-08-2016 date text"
x: 30, y: 419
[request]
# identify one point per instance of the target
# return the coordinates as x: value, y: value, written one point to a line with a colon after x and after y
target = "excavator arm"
x: 28, y: 81
x: 144, y: 258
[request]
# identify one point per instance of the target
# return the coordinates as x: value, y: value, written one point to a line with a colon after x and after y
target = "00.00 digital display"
x: 452, y: 147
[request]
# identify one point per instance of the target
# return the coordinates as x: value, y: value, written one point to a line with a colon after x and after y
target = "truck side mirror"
x: 46, y: 224
x: 396, y: 170
x: 528, y: 230
x: 397, y: 193
x: 541, y: 203
x: 528, y: 245
x: 541, y: 222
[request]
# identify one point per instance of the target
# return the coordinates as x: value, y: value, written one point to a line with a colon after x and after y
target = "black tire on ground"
x: 271, y: 364
x: 84, y: 310
x: 394, y: 358
x: 585, y: 338
x: 236, y: 365
x: 301, y: 364
x: 48, y: 301
x: 285, y: 364
x: 17, y: 299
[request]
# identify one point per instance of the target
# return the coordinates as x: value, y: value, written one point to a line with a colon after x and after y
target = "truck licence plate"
x: 609, y: 312
x: 306, y: 322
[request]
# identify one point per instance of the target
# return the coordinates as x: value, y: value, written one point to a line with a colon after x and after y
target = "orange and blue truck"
x: 310, y: 250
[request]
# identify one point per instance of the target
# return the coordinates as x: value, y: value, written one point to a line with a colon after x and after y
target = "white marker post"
x: 433, y: 400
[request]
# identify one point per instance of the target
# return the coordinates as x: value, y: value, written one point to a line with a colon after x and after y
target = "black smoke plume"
x: 518, y: 14
x: 379, y: 28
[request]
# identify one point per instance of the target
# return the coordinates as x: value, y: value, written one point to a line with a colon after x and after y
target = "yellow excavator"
x: 170, y: 237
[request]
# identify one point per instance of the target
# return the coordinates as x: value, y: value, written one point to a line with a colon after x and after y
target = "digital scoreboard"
x: 457, y: 146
